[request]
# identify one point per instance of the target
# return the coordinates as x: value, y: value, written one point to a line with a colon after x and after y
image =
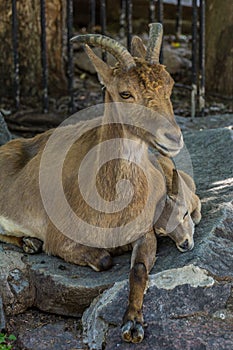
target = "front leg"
x: 12, y: 240
x: 30, y: 245
x: 142, y: 260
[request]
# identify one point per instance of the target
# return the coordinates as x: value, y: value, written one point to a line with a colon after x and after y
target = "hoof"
x: 132, y: 332
x: 32, y: 245
x: 102, y: 264
x: 105, y: 263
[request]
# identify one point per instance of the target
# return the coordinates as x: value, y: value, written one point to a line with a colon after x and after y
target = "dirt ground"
x: 34, y: 324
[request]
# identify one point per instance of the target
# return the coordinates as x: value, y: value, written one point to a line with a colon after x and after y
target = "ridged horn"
x: 110, y: 45
x: 155, y: 41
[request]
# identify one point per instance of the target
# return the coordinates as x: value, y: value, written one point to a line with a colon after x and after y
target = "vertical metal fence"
x: 70, y: 65
x: 15, y: 45
x: 156, y: 13
x: 44, y: 57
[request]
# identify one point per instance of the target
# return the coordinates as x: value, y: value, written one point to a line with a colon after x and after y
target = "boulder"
x: 51, y: 284
x: 5, y: 134
x: 16, y: 290
x: 195, y: 311
x: 67, y: 289
x: 175, y: 59
x: 184, y: 308
x: 189, y: 302
x: 2, y: 316
x: 82, y: 62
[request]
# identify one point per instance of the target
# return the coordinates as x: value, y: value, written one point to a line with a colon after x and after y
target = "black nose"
x: 173, y: 138
x: 184, y: 245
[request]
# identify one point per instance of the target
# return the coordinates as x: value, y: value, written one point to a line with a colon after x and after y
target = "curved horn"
x: 110, y: 45
x: 155, y: 41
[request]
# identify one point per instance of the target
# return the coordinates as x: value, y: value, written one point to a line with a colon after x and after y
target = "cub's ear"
x: 137, y: 47
x: 173, y: 191
x: 103, y: 70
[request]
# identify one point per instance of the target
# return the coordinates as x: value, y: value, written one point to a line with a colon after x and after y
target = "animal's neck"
x: 111, y: 126
x: 116, y: 140
x: 122, y: 120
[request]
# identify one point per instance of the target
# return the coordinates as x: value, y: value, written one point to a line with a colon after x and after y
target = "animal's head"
x: 175, y: 220
x: 139, y: 78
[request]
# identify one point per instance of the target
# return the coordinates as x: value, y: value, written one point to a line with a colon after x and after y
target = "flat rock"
x: 184, y: 308
x: 208, y: 122
x: 2, y: 316
x: 51, y: 284
x: 212, y: 162
x: 5, y: 134
x: 55, y: 286
x: 199, y: 309
x: 16, y: 290
x: 67, y: 289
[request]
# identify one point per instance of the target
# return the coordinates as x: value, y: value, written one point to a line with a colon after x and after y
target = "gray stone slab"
x: 55, y: 286
x: 51, y: 284
x: 15, y: 288
x: 67, y: 289
x: 208, y: 122
x: 185, y: 307
x: 211, y: 153
x: 5, y: 134
x: 2, y: 316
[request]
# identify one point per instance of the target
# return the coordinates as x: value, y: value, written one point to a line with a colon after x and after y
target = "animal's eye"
x: 185, y: 214
x: 125, y: 94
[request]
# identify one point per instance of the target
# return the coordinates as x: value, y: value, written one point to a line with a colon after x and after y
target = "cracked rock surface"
x: 5, y: 134
x: 184, y: 308
x: 2, y: 316
x: 189, y: 303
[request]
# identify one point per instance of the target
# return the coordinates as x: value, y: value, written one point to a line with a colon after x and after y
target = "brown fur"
x: 22, y: 213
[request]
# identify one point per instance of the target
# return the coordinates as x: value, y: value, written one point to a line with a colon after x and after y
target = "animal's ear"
x: 175, y: 182
x: 103, y: 70
x: 137, y: 47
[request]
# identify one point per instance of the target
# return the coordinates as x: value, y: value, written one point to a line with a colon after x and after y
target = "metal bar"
x: 103, y: 23
x: 160, y: 11
x: 70, y: 64
x: 202, y: 59
x: 129, y: 29
x: 44, y: 56
x: 92, y: 4
x: 194, y: 59
x: 183, y: 86
x: 178, y: 18
x: 15, y: 44
x: 122, y: 18
x: 160, y: 19
x: 220, y: 96
x: 152, y: 11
